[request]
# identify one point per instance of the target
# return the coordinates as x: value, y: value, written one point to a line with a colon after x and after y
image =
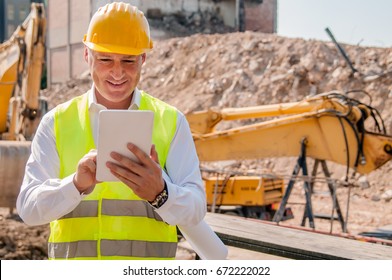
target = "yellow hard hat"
x: 119, y: 28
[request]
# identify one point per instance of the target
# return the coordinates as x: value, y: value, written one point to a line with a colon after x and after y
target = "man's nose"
x: 117, y: 70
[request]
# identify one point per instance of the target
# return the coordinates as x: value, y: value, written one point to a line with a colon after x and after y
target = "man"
x: 131, y: 219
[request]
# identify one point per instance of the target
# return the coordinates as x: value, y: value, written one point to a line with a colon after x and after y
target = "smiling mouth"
x: 116, y: 84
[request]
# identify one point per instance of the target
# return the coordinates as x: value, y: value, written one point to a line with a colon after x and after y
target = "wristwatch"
x: 161, y: 198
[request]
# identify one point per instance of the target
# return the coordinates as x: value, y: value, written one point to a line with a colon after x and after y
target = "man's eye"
x: 129, y: 61
x: 104, y: 59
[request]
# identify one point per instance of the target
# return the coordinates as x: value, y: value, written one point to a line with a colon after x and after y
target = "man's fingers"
x: 144, y: 177
x: 142, y: 156
x: 85, y: 175
x: 123, y: 172
x: 91, y: 165
x: 125, y: 180
x: 125, y: 161
x: 92, y: 154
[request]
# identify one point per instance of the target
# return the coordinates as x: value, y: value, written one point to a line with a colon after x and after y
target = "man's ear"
x: 85, y: 54
x: 143, y: 58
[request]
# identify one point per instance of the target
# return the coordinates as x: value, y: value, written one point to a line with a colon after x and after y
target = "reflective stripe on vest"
x: 114, y: 207
x: 112, y: 222
x: 109, y: 248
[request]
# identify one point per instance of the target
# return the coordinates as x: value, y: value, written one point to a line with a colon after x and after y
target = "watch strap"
x: 161, y: 198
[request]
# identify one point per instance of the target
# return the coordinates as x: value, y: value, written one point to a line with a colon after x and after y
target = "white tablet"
x: 117, y: 128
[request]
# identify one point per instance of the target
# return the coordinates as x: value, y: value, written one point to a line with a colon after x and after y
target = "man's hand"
x: 84, y: 178
x: 144, y: 178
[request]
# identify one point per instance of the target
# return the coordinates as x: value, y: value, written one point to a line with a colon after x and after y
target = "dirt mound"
x: 242, y: 69
x: 247, y: 69
x: 20, y: 242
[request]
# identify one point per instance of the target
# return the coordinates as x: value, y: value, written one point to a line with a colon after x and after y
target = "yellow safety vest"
x: 111, y: 222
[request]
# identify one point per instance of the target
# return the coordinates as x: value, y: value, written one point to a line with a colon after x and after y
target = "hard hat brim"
x: 115, y: 49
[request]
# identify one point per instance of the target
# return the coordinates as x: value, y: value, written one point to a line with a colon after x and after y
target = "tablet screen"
x: 117, y: 128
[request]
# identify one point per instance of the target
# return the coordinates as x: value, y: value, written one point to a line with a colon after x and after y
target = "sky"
x: 356, y: 22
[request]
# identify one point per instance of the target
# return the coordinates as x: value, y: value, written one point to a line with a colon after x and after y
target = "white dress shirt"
x: 45, y: 197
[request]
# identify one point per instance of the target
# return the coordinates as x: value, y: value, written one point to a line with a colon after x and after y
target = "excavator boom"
x: 21, y: 61
x: 332, y: 125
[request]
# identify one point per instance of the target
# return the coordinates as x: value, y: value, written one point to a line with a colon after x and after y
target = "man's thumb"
x: 154, y: 154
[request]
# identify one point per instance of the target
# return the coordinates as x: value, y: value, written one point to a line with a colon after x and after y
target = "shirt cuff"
x: 69, y: 189
x: 164, y: 210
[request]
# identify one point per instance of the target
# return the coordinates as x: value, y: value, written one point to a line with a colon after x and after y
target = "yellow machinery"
x: 21, y: 108
x: 257, y: 196
x: 327, y: 127
x: 332, y: 123
x: 244, y: 190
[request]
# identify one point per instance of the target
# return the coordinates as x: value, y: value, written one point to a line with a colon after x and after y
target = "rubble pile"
x: 248, y: 69
x: 17, y: 241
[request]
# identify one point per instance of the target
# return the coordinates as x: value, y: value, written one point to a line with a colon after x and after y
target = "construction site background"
x: 246, y: 69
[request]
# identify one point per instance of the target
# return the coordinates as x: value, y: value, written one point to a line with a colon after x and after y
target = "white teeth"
x: 116, y: 83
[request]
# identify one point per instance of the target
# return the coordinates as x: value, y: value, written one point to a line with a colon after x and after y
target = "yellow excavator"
x: 21, y: 106
x: 327, y: 127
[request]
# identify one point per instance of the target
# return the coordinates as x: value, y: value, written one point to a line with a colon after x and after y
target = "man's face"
x: 115, y: 77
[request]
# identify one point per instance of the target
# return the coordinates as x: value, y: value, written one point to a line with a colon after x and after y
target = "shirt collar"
x: 95, y: 106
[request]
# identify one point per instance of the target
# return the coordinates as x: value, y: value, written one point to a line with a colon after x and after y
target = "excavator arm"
x: 21, y: 107
x: 332, y: 125
x: 21, y: 62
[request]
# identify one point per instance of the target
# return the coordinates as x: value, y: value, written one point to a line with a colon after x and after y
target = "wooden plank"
x: 292, y: 243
